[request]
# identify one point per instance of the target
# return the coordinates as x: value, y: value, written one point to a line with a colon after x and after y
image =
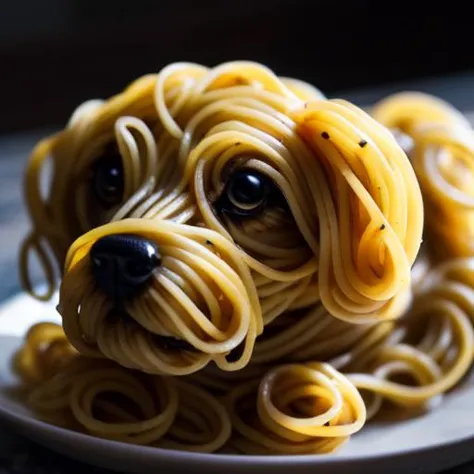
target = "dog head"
x: 199, y: 205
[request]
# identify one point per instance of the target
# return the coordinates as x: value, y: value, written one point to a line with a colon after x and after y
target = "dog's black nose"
x: 122, y: 264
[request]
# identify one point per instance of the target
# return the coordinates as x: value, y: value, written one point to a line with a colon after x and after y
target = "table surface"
x: 18, y: 455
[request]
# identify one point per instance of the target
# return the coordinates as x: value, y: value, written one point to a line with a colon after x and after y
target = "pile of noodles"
x: 297, y: 329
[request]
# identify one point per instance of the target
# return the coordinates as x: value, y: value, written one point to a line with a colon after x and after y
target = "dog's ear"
x: 369, y: 209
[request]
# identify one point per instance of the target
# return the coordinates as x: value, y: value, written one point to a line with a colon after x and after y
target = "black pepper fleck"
x: 362, y: 143
x: 325, y: 135
x: 382, y: 227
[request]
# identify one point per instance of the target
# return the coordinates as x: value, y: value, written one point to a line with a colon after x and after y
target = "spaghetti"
x: 279, y: 319
x: 443, y: 159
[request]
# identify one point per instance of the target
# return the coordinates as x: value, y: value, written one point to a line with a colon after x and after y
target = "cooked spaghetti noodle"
x: 274, y: 326
x: 443, y: 159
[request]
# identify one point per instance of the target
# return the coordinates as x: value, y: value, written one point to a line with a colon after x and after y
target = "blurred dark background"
x: 56, y: 53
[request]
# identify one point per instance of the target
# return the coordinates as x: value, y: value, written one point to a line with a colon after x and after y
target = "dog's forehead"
x: 168, y: 130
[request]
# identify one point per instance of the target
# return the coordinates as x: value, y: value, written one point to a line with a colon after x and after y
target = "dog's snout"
x: 123, y: 264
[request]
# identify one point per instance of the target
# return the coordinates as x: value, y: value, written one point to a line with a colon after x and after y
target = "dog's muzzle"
x: 159, y: 297
x: 123, y: 264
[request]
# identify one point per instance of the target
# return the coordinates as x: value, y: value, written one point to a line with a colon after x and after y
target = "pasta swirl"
x: 289, y: 421
x: 434, y: 343
x: 109, y: 401
x: 45, y: 352
x: 443, y: 158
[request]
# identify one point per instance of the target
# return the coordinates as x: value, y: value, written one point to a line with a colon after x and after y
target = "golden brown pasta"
x: 433, y: 344
x: 109, y: 401
x: 347, y: 235
x: 278, y: 326
x: 443, y: 158
x: 45, y: 352
x: 300, y: 409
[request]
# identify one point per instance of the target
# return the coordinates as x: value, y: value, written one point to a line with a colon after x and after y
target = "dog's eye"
x: 246, y: 193
x: 108, y: 180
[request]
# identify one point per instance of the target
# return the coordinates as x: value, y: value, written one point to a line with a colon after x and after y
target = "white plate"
x: 436, y: 441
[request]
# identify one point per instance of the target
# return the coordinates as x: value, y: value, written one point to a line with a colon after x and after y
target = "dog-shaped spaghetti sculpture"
x: 237, y: 260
